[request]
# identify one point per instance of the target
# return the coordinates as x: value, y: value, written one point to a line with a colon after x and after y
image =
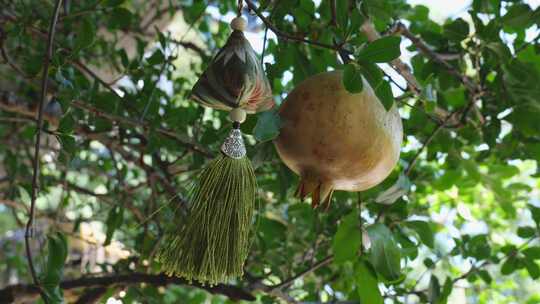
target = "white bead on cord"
x: 239, y: 24
x: 238, y: 115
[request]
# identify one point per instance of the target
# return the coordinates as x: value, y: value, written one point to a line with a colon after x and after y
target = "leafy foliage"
x: 53, y: 271
x: 124, y: 142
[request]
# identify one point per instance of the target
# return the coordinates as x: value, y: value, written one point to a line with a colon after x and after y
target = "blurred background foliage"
x: 456, y: 222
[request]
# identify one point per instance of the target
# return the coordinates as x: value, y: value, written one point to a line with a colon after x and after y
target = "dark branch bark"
x: 11, y: 293
x: 191, y: 46
x: 11, y: 103
x: 424, y: 48
x: 29, y: 231
x: 426, y: 143
x: 91, y: 295
x: 327, y: 260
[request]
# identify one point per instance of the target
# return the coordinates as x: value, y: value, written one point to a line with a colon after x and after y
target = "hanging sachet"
x: 235, y: 77
x: 212, y: 244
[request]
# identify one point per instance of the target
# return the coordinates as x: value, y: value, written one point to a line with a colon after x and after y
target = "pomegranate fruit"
x: 336, y: 140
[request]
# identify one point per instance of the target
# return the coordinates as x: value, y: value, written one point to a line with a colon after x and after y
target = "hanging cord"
x: 240, y: 7
x: 264, y: 44
x: 265, y: 38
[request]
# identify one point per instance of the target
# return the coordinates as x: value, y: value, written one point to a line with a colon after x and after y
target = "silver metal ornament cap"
x: 234, y: 146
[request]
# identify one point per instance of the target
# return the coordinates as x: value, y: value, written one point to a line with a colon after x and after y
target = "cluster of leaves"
x: 130, y: 141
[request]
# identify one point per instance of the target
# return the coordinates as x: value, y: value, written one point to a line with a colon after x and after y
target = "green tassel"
x: 213, y: 243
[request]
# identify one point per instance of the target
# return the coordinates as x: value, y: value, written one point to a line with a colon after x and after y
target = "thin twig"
x: 315, y: 266
x: 153, y: 90
x: 8, y: 60
x: 265, y: 38
x: 191, y: 46
x: 426, y: 143
x: 129, y: 122
x: 333, y: 13
x: 45, y: 79
x: 283, y: 34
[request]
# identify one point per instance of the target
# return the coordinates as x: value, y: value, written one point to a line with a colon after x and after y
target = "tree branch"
x: 16, y: 292
x: 413, y: 84
x: 401, y: 29
x: 427, y: 142
x: 45, y: 78
x: 91, y: 295
x: 191, y: 46
x: 11, y: 103
x: 105, y: 198
x: 126, y: 121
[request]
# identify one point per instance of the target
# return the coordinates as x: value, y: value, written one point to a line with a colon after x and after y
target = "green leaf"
x: 455, y: 97
x: 509, y: 266
x: 532, y: 268
x: 485, y: 276
x: 499, y: 49
x: 267, y: 127
x: 429, y: 263
x: 347, y: 239
x: 271, y: 232
x: 418, y: 13
x: 394, y: 192
x: 486, y: 6
x: 52, y: 274
x: 114, y: 221
x: 32, y: 64
x: 518, y: 16
x: 385, y: 255
x: 423, y: 229
x: 352, y: 79
x: 156, y: 58
x: 456, y: 30
x: 526, y: 232
x: 302, y: 18
x: 384, y: 92
x: 382, y: 10
x: 120, y: 18
x: 372, y: 73
x: 532, y: 253
x: 112, y: 3
x: 342, y: 12
x: 434, y: 290
x: 85, y: 35
x: 381, y: 50
x: 24, y: 196
x: 367, y: 284
x: 446, y: 290
x: 67, y: 124
x: 68, y: 143
x: 535, y: 212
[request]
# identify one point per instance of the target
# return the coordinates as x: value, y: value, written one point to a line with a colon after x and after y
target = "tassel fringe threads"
x: 213, y: 243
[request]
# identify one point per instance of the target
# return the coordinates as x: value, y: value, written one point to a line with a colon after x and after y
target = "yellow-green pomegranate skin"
x: 336, y: 140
